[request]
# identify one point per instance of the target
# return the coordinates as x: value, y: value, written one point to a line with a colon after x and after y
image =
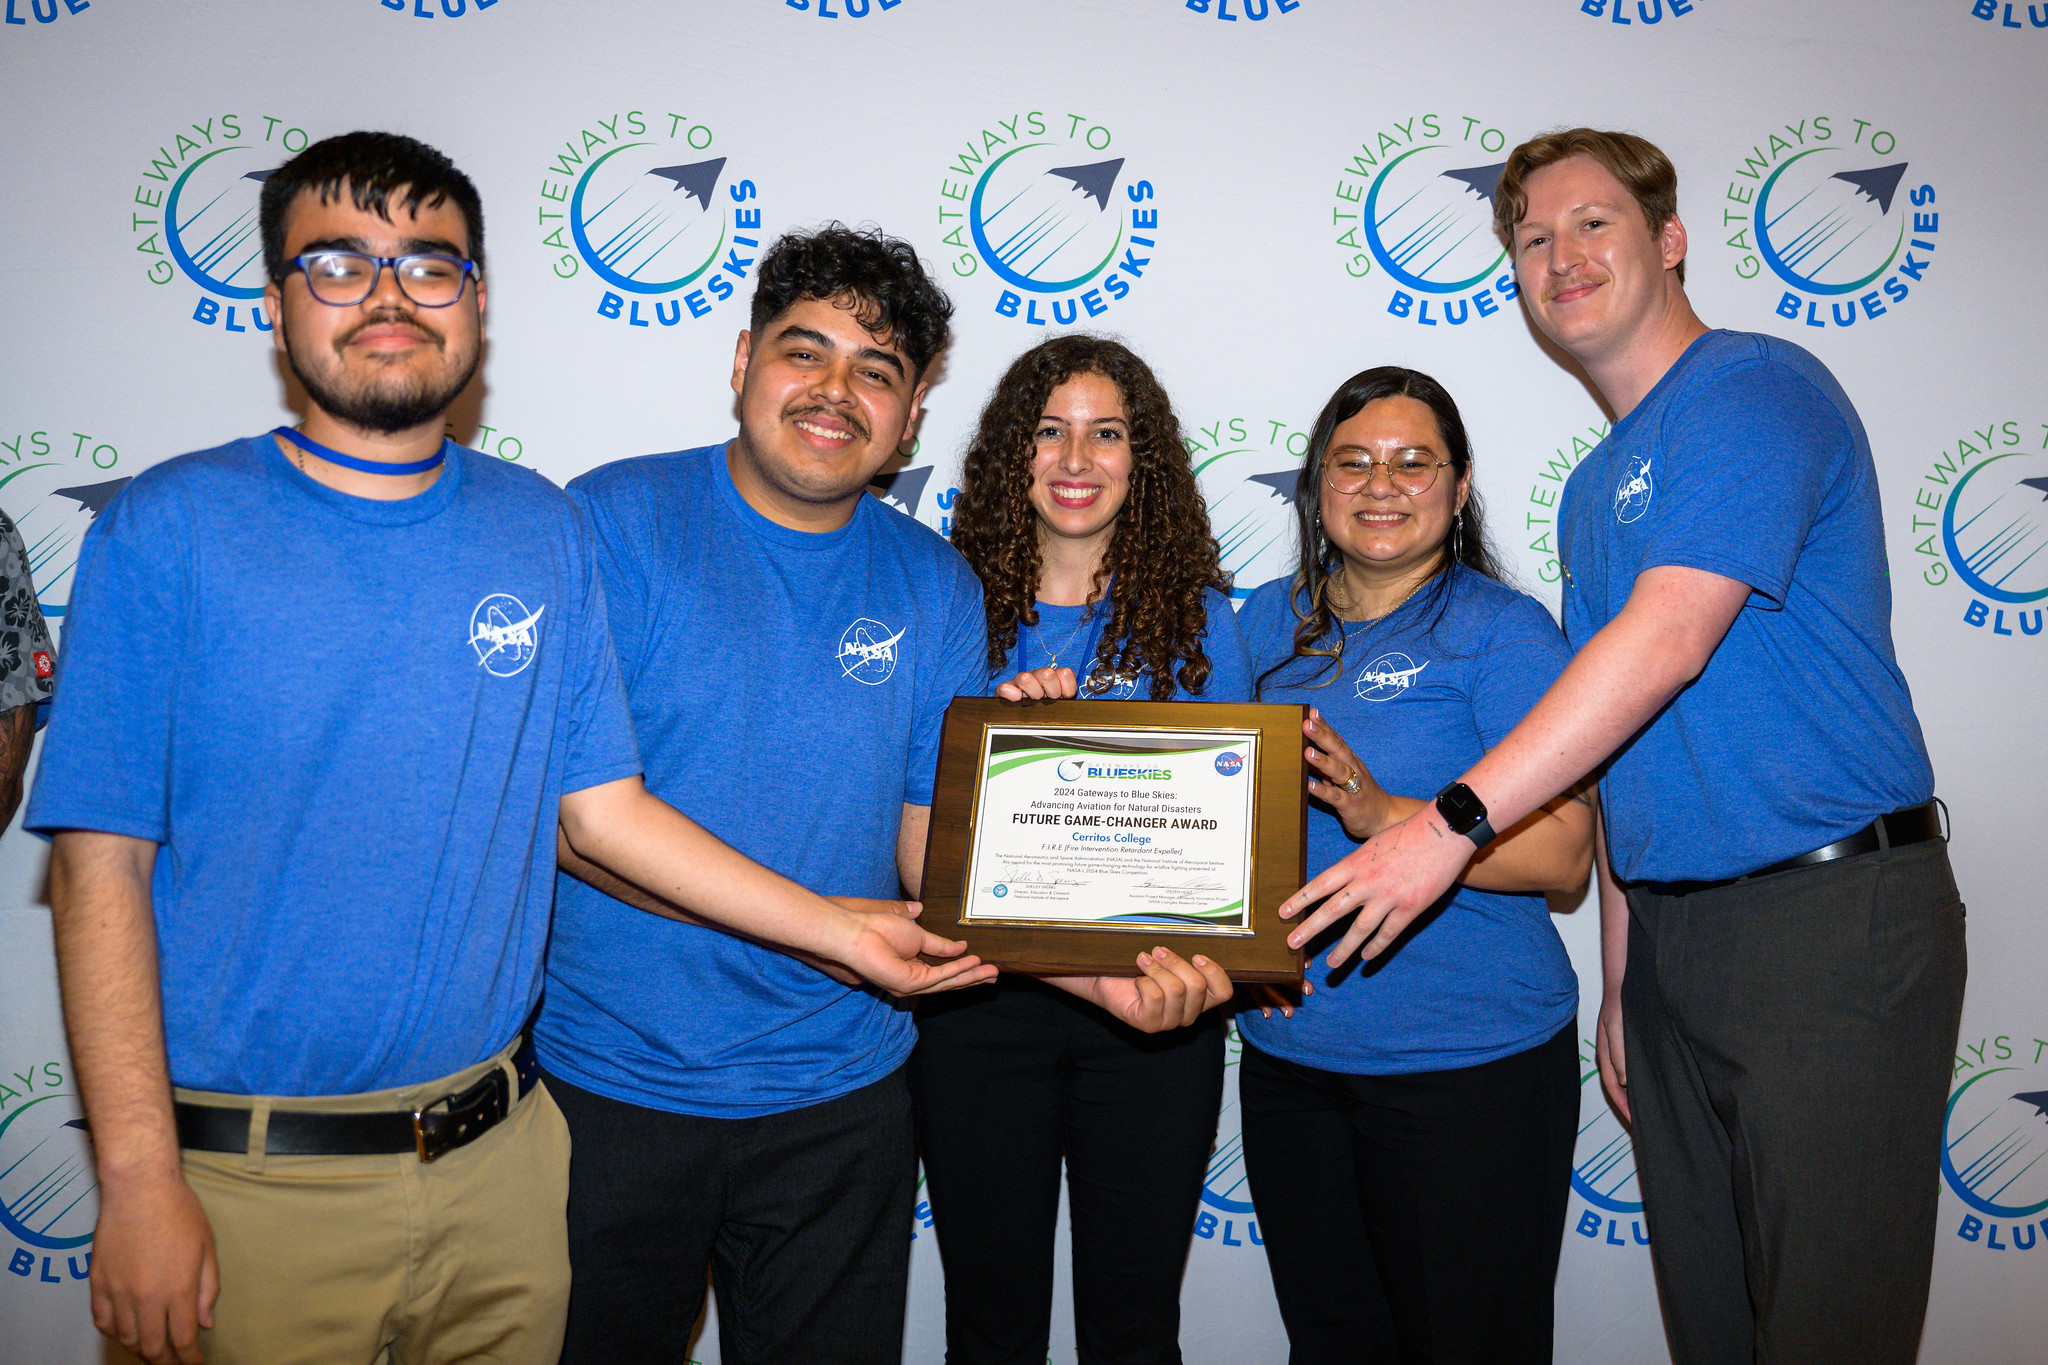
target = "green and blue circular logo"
x: 840, y: 9
x: 53, y: 482
x: 1636, y: 13
x: 1414, y: 216
x: 49, y: 1190
x: 194, y: 213
x: 1604, y: 1167
x: 647, y: 209
x: 438, y: 9
x: 1840, y: 221
x: 1226, y: 1217
x: 1978, y: 517
x: 1247, y: 471
x: 1994, y: 1141
x: 1234, y: 11
x: 1046, y: 208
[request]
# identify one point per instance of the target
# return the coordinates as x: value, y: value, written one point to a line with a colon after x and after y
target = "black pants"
x: 1413, y: 1218
x: 1790, y: 1043
x: 803, y: 1219
x: 1008, y: 1079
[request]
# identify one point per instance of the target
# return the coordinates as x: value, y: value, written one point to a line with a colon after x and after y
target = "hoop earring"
x: 1458, y: 539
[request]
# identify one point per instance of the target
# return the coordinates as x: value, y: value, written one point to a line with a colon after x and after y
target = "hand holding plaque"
x: 1066, y: 836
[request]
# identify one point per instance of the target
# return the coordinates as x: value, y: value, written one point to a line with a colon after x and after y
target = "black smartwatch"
x: 1465, y: 813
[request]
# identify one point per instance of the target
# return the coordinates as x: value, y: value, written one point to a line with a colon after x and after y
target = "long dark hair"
x: 1309, y: 594
x: 1161, y: 553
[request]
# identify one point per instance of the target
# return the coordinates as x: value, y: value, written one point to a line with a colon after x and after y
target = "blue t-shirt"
x: 1422, y: 694
x: 1072, y: 634
x: 1747, y: 460
x: 788, y: 690
x: 349, y: 723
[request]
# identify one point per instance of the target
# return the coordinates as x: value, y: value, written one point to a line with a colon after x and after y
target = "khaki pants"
x: 333, y: 1260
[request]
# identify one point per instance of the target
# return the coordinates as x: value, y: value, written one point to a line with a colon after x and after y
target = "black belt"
x: 1914, y: 825
x: 434, y: 1129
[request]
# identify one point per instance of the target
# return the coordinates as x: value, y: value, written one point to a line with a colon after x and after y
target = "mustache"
x: 385, y: 317
x: 851, y: 419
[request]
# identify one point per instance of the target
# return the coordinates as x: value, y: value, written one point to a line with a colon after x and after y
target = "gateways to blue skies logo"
x: 194, y: 215
x: 1832, y: 219
x: 907, y: 486
x: 43, y: 11
x: 1248, y: 471
x: 1043, y: 213
x: 1412, y: 219
x: 1979, y: 520
x: 1994, y: 1142
x: 2004, y: 13
x: 1609, y: 1203
x: 438, y: 9
x: 53, y: 482
x: 1636, y: 13
x: 644, y: 213
x: 49, y: 1193
x: 839, y: 9
x: 1546, y: 490
x: 1225, y: 1217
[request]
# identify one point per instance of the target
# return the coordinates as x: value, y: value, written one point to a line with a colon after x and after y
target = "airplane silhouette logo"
x: 696, y: 180
x: 93, y: 497
x: 504, y: 634
x: 904, y: 489
x: 867, y: 652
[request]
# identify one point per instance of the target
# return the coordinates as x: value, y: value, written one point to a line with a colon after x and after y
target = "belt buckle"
x: 419, y: 1131
x: 467, y: 1110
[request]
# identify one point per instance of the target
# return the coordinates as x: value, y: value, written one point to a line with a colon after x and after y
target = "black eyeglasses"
x: 345, y: 278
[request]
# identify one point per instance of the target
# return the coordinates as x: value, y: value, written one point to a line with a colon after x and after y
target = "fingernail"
x: 1201, y: 961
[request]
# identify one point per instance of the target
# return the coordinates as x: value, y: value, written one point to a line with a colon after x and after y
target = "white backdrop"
x: 1297, y: 194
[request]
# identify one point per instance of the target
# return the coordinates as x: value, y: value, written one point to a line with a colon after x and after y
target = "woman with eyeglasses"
x: 1080, y: 512
x: 1408, y: 1126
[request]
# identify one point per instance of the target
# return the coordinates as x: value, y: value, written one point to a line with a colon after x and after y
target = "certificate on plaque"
x: 1069, y: 836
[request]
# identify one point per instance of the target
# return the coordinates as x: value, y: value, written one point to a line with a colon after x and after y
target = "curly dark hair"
x: 374, y: 166
x: 1309, y: 595
x: 895, y: 296
x: 1161, y: 554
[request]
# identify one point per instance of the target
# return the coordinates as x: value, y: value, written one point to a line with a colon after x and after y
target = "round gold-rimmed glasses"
x: 1411, y: 472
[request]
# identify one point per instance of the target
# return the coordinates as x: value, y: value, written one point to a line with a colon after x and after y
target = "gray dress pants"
x: 1789, y: 1045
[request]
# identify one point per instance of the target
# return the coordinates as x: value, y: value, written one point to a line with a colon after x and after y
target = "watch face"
x: 1462, y: 809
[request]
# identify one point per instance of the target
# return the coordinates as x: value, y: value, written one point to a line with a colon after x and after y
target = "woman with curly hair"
x: 1408, y: 1127
x: 1080, y: 512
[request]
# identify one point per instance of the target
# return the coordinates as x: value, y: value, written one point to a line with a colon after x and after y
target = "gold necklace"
x: 1087, y: 619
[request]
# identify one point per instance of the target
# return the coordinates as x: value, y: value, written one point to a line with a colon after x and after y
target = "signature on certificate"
x: 1192, y: 889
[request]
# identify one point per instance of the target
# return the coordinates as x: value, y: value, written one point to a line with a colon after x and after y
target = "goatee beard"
x: 383, y: 409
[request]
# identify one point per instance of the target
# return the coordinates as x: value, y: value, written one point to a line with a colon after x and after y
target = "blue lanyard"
x: 332, y: 456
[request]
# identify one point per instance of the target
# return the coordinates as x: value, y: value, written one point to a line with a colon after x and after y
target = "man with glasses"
x: 1784, y: 972
x: 328, y: 698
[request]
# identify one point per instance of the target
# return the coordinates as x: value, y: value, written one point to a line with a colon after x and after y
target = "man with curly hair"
x: 789, y: 646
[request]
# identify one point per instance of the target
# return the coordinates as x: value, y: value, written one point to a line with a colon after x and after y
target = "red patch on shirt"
x: 43, y: 669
